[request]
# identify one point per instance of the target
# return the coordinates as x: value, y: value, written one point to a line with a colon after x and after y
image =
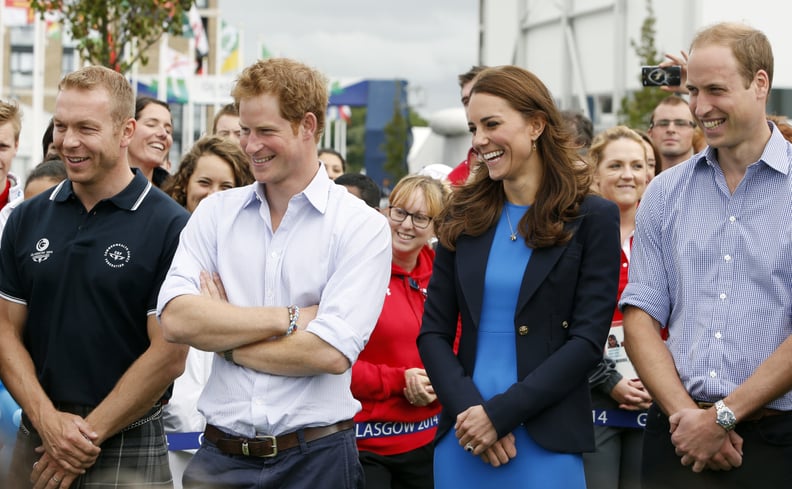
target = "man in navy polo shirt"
x: 80, y: 268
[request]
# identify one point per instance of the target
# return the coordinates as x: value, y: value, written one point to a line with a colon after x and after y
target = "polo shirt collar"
x: 128, y: 199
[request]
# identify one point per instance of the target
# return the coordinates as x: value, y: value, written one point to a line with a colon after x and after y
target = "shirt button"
x: 727, y: 258
x: 523, y: 330
x: 713, y: 374
x: 625, y: 265
x: 274, y: 254
x: 722, y: 296
x: 259, y: 402
x: 718, y: 335
x: 564, y: 324
x: 732, y: 218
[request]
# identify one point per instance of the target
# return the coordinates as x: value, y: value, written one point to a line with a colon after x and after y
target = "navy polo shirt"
x: 90, y: 280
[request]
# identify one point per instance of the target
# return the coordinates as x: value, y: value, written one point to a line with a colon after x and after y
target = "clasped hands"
x: 68, y: 449
x: 418, y: 391
x: 475, y: 430
x: 702, y: 443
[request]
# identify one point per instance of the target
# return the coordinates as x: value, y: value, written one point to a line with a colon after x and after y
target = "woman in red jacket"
x: 398, y: 420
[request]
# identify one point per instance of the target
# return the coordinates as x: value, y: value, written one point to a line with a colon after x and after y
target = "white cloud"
x: 426, y: 42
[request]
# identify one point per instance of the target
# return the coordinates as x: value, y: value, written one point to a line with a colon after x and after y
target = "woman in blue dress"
x: 529, y: 260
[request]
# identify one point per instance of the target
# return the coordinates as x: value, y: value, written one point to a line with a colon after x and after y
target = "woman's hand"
x: 474, y: 430
x: 418, y: 390
x: 501, y: 452
x: 631, y: 395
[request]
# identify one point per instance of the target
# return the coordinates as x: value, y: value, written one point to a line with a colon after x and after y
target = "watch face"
x: 724, y: 416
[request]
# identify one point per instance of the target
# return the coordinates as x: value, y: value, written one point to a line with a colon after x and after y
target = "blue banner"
x: 619, y: 418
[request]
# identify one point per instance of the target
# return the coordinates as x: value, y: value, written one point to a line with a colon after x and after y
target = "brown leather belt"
x: 267, y: 445
x: 754, y: 416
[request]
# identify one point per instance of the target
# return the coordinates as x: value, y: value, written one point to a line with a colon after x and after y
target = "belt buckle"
x: 273, y: 443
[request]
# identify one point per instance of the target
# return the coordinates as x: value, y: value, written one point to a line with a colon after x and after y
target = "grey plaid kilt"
x: 136, y: 457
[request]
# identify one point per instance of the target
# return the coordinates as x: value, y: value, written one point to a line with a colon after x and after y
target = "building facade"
x: 583, y: 49
x: 32, y: 78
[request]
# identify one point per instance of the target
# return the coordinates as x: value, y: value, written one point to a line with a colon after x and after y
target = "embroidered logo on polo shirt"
x: 41, y: 253
x: 117, y: 255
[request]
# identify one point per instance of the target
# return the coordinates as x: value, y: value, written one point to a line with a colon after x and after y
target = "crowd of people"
x: 567, y: 308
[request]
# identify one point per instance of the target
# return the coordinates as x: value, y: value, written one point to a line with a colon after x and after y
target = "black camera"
x: 655, y: 76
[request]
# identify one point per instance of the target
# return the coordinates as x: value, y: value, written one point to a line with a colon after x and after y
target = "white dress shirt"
x: 330, y: 249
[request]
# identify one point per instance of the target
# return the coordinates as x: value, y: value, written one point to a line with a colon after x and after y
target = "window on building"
x: 21, y: 62
x: 69, y: 60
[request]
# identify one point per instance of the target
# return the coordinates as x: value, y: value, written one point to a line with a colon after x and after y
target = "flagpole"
x: 135, y: 72
x: 3, y: 63
x: 39, y: 47
x: 162, y: 82
x: 241, y: 63
x: 218, y: 61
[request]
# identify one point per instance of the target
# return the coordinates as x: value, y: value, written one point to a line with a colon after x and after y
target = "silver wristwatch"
x: 724, y: 416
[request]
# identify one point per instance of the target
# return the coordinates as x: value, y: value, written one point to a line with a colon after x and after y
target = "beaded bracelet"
x: 229, y: 355
x: 294, y: 315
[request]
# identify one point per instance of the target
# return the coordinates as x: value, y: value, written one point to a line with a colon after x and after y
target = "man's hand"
x: 730, y: 454
x: 680, y: 61
x: 68, y: 439
x: 48, y: 473
x: 212, y: 286
x: 698, y: 438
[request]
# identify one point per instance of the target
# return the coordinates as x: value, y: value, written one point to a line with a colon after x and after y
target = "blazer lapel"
x: 542, y: 261
x: 472, y: 255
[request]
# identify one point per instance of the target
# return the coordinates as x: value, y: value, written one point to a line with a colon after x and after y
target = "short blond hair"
x: 10, y: 113
x: 434, y: 192
x: 750, y: 48
x: 603, y: 139
x: 122, y: 98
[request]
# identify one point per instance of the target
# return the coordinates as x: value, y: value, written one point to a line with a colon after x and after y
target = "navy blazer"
x: 561, y: 323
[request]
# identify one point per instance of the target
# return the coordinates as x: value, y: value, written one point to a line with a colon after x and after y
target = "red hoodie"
x: 388, y: 424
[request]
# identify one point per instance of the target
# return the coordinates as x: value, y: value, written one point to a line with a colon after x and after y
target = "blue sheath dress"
x: 495, y: 372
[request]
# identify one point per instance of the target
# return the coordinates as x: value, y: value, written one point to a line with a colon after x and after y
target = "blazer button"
x: 564, y: 324
x: 523, y: 330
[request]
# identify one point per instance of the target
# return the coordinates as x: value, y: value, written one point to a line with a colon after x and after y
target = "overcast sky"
x: 426, y: 42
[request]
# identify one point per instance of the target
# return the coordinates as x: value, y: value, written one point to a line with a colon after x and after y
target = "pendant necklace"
x: 513, y: 235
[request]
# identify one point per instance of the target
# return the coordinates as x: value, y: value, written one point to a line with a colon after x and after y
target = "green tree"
x: 415, y: 118
x: 117, y: 33
x: 638, y: 106
x: 356, y: 140
x: 395, y: 145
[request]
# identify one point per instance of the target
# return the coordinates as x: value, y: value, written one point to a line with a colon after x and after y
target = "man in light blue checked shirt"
x: 712, y: 260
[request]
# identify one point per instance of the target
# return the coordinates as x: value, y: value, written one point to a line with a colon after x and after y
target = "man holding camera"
x: 703, y: 265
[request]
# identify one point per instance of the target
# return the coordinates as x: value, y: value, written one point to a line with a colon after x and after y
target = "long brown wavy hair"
x: 225, y: 149
x: 476, y: 207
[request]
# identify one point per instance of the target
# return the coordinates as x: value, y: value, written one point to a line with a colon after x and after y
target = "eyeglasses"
x: 399, y: 215
x: 677, y: 122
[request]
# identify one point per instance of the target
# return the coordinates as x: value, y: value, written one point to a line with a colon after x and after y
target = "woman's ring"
x: 469, y: 448
x: 56, y: 480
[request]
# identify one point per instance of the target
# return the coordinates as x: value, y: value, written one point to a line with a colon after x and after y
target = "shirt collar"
x: 128, y: 199
x: 316, y: 193
x: 777, y: 152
